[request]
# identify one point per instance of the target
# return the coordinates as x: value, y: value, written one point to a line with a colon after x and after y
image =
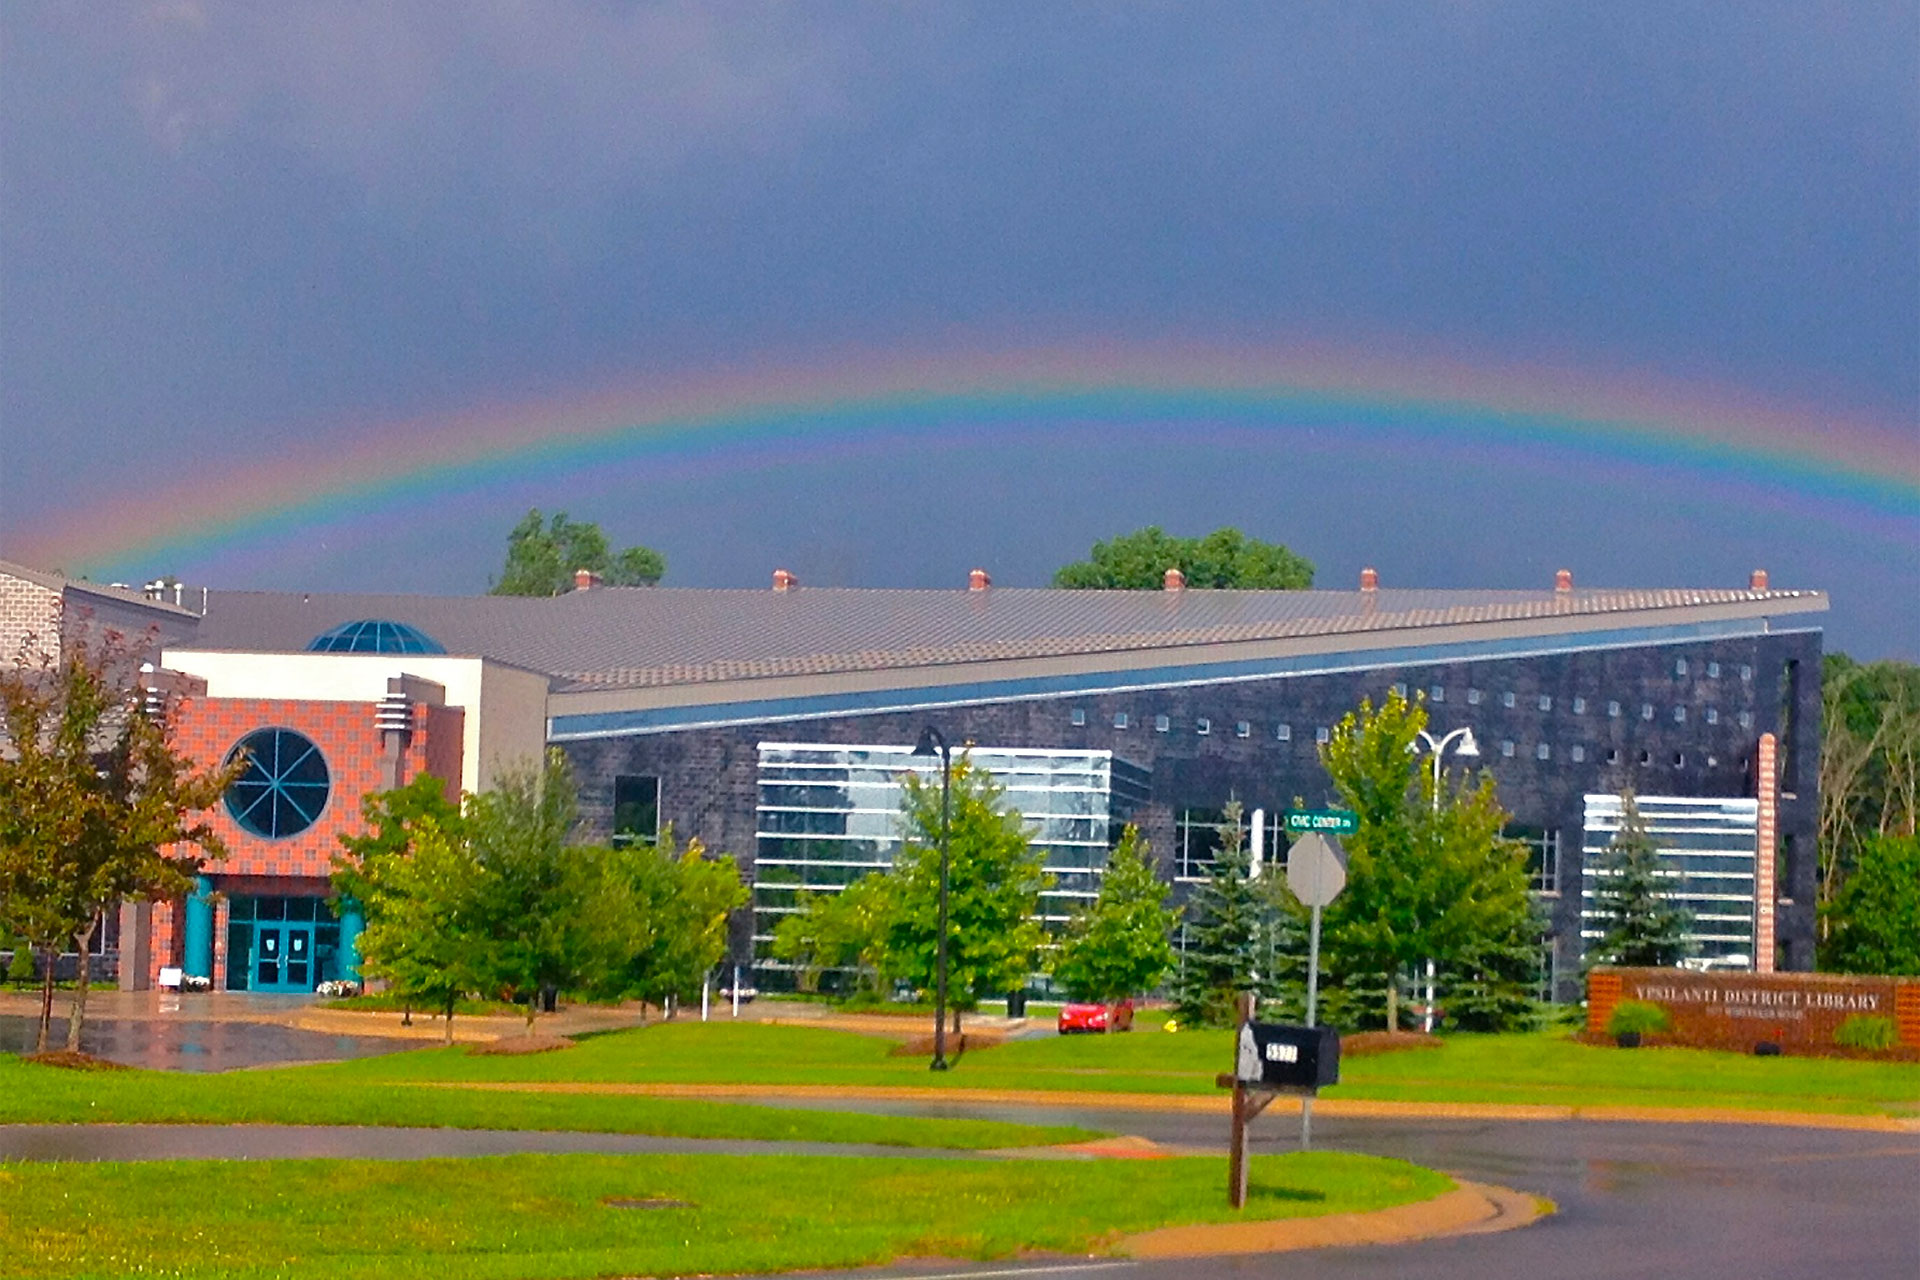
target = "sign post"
x: 1316, y: 872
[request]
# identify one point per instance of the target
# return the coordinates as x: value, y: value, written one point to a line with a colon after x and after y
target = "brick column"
x: 1766, y: 842
x: 1603, y: 993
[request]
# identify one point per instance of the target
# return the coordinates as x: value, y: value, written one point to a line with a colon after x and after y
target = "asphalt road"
x: 1695, y: 1202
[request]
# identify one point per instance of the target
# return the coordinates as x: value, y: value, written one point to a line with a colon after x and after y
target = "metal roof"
x: 651, y: 637
x: 106, y: 591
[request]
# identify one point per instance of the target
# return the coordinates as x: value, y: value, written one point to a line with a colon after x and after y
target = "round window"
x: 285, y: 784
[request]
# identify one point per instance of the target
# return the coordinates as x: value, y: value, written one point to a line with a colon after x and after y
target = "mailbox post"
x: 1271, y: 1059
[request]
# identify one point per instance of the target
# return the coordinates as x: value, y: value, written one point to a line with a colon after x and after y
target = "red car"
x: 1081, y: 1018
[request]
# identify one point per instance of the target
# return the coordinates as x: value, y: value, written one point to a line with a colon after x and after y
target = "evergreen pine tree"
x: 1119, y: 947
x: 1232, y: 937
x: 1643, y: 928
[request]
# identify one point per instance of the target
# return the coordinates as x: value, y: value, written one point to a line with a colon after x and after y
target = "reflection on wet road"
x: 170, y: 1045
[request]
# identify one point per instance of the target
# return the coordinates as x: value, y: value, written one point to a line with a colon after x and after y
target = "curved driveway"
x: 1687, y: 1201
x: 1690, y: 1201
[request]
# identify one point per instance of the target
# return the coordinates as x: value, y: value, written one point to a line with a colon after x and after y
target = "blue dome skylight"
x: 374, y: 635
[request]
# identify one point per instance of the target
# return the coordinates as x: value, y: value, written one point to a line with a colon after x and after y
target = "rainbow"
x: 1845, y: 469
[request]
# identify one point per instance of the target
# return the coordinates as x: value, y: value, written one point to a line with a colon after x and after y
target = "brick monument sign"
x: 1740, y: 1010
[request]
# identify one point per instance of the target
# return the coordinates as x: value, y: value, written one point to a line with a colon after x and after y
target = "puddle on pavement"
x: 166, y: 1045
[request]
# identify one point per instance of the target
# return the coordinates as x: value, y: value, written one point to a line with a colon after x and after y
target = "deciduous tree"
x: 537, y: 901
x: 391, y: 823
x: 846, y: 930
x: 1121, y: 945
x: 1138, y: 561
x: 995, y: 882
x: 427, y: 931
x: 542, y: 556
x: 96, y: 804
x: 668, y: 906
x: 1869, y: 767
x: 1428, y: 876
x: 1878, y: 910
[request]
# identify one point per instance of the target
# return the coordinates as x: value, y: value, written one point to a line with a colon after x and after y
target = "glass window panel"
x: 636, y: 808
x: 239, y: 954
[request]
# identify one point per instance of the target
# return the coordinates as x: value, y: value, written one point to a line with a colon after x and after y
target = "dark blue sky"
x: 226, y: 227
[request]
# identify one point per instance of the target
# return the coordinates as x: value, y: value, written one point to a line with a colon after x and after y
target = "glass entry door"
x: 283, y: 957
x: 285, y: 945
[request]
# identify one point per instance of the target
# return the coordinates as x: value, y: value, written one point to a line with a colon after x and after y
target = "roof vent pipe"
x: 1563, y: 580
x: 1758, y: 582
x: 585, y: 580
x: 1175, y: 580
x: 784, y: 581
x: 978, y: 580
x: 1369, y: 579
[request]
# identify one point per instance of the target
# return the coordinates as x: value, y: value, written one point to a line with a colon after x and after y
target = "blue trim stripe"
x: 608, y: 724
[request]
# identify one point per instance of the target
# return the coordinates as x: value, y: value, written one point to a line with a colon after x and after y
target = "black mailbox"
x: 1286, y: 1057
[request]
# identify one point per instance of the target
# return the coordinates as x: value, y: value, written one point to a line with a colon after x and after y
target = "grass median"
x: 575, y: 1215
x: 34, y: 1094
x: 1536, y: 1069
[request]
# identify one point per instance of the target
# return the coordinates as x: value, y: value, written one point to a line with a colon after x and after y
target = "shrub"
x: 1637, y: 1017
x: 20, y: 969
x: 1862, y: 1032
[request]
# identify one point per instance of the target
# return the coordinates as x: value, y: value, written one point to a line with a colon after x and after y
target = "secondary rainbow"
x: 1850, y: 470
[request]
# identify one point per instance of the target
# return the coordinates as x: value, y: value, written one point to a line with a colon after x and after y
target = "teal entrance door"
x: 283, y: 957
x: 283, y: 945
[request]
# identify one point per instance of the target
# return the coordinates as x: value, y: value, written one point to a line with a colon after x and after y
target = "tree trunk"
x: 77, y: 1018
x: 47, y: 958
x: 449, y: 1026
x: 406, y: 1013
x: 1393, y: 1001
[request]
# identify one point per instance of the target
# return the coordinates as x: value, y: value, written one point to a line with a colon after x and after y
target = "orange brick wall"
x: 1906, y: 1011
x: 1603, y: 994
x: 208, y: 729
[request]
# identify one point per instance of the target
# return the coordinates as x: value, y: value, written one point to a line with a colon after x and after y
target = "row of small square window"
x: 1615, y: 709
x: 1202, y: 726
x: 1578, y: 754
x: 1284, y: 732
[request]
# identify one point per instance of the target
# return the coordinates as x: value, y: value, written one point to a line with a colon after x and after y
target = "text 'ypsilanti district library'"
x: 776, y: 725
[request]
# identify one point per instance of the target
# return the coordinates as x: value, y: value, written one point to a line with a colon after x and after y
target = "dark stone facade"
x: 708, y: 776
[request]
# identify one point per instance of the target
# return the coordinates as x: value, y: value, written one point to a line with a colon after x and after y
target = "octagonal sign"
x: 1316, y: 869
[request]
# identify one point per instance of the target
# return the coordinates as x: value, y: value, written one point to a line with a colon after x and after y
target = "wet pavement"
x: 1704, y: 1201
x: 81, y: 1142
x: 188, y: 1044
x: 1707, y: 1201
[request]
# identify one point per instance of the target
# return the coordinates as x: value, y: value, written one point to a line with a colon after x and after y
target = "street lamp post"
x: 931, y: 738
x: 1437, y: 747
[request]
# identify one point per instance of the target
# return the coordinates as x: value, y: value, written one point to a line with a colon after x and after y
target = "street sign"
x: 1316, y: 869
x: 1332, y: 822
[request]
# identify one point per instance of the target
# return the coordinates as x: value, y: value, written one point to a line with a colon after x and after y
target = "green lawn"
x: 32, y: 1094
x: 548, y: 1216
x: 1539, y: 1068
